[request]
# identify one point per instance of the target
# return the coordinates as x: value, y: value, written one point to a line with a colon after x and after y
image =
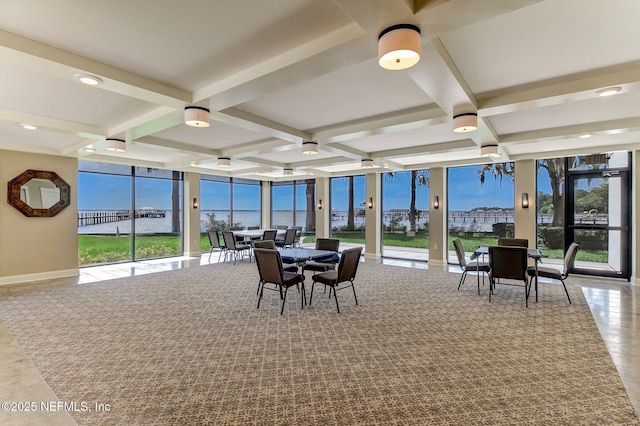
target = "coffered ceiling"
x: 276, y: 73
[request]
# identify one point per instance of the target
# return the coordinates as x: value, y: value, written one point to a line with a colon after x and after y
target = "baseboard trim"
x: 26, y: 278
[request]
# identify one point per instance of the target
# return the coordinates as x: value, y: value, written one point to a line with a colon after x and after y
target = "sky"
x: 113, y: 192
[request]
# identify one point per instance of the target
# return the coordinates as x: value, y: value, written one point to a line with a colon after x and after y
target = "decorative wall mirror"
x: 39, y: 193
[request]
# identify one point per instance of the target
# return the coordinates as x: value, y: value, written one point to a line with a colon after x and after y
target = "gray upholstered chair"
x: 271, y: 272
x: 513, y: 242
x: 508, y: 262
x: 298, y: 238
x: 234, y: 247
x: 269, y: 234
x: 476, y: 266
x: 345, y: 273
x: 289, y: 238
x: 330, y: 244
x: 270, y: 244
x: 555, y: 274
x: 214, y: 240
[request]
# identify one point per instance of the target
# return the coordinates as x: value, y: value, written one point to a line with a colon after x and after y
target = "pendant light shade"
x: 399, y: 47
x: 224, y: 162
x: 466, y: 122
x: 287, y: 172
x: 196, y: 116
x: 367, y: 163
x: 115, y: 145
x: 489, y: 150
x: 310, y: 148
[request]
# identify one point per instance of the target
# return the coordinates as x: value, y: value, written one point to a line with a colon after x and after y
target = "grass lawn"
x: 94, y: 249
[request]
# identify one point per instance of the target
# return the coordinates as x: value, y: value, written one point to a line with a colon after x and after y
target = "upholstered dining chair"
x: 235, y: 248
x: 555, y: 274
x: 513, y: 242
x: 475, y: 266
x: 330, y: 244
x: 214, y: 240
x: 508, y: 262
x: 271, y: 272
x: 298, y: 238
x: 269, y: 234
x: 270, y: 244
x: 289, y: 238
x: 345, y: 273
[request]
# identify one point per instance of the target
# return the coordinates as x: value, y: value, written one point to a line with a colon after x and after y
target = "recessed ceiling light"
x: 609, y: 91
x: 89, y: 79
x: 585, y: 135
x: 28, y: 126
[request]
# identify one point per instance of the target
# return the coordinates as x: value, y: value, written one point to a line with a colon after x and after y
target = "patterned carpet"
x: 189, y: 347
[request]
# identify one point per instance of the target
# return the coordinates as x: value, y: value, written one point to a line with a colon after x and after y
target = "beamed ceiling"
x: 276, y: 73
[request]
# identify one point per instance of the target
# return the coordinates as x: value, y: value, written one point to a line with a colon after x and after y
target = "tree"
x: 555, y: 170
x: 311, y: 213
x: 418, y: 177
x: 351, y: 222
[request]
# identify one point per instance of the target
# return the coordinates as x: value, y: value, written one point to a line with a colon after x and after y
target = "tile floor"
x: 615, y: 306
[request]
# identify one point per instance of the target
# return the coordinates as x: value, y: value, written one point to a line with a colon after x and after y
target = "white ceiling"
x: 275, y: 73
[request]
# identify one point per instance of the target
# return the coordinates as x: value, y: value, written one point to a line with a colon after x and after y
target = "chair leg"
x: 303, y: 299
x: 261, y: 287
x: 210, y: 251
x: 335, y: 295
x: 311, y: 297
x: 284, y: 300
x: 464, y: 275
x: 354, y: 292
x: 565, y: 290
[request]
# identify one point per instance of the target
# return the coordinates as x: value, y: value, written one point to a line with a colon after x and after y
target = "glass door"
x: 598, y: 220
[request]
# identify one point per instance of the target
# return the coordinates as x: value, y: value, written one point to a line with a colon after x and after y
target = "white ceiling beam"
x: 425, y: 149
x: 175, y: 146
x: 54, y: 61
x: 602, y: 127
x: 397, y: 121
x: 257, y: 124
x: 54, y: 125
x: 571, y: 88
x: 252, y: 149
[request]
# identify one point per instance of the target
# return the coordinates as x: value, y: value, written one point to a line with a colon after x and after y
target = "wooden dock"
x: 108, y: 216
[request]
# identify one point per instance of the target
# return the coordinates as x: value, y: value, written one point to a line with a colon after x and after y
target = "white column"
x: 373, y: 217
x: 525, y: 218
x: 438, y: 250
x: 323, y: 207
x: 191, y: 214
x: 635, y: 219
x: 265, y: 219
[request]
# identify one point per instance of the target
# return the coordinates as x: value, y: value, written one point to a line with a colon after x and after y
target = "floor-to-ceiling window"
x: 480, y: 205
x: 127, y: 213
x: 246, y: 202
x: 226, y: 203
x: 282, y: 206
x: 158, y: 218
x: 405, y: 215
x: 586, y: 200
x: 348, y: 209
x: 293, y: 204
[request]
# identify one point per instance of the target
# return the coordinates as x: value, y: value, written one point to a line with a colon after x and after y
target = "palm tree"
x: 421, y: 178
x: 310, y: 221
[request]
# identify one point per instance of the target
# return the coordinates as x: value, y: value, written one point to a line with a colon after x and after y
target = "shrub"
x: 552, y: 237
